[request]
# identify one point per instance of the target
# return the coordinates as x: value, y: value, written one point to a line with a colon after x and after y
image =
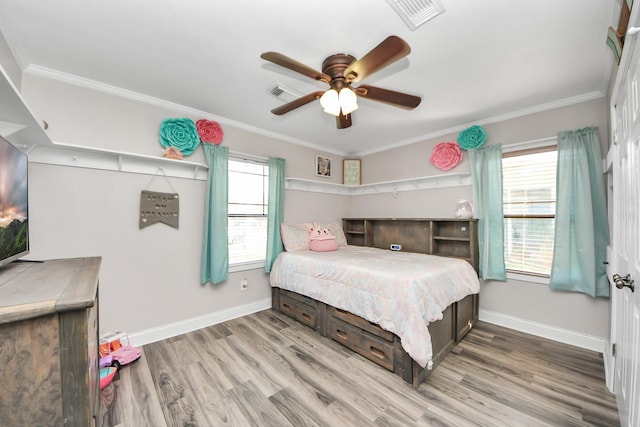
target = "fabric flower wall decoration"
x: 472, y: 137
x: 179, y: 133
x: 446, y: 155
x: 209, y: 131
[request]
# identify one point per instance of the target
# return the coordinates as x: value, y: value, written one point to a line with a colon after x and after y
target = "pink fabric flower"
x: 209, y: 131
x: 446, y: 155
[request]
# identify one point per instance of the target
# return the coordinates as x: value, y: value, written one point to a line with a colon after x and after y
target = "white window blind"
x: 529, y: 197
x: 248, y: 201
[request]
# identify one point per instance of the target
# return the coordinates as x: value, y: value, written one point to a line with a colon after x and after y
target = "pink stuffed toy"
x: 321, y: 240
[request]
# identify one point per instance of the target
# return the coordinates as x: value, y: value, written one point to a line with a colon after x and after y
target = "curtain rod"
x: 533, y: 143
x: 249, y: 157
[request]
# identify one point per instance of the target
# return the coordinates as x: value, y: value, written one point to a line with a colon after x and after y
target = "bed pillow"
x: 335, y: 227
x: 323, y: 245
x: 321, y: 239
x: 295, y: 237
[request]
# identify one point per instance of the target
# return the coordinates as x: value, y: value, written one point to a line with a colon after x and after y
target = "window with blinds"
x: 248, y: 201
x: 529, y: 197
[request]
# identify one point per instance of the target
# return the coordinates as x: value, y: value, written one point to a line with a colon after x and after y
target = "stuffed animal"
x: 321, y: 239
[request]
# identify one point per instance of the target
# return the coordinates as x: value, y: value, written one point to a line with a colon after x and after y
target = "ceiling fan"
x: 339, y: 71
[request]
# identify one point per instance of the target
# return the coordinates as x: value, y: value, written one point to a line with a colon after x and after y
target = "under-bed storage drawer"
x: 301, y: 308
x: 359, y: 322
x: 370, y: 346
x: 466, y: 315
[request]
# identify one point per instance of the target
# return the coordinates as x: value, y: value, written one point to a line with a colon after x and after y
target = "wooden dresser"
x: 49, y: 373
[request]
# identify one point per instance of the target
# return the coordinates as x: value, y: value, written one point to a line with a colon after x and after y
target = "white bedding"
x: 400, y: 291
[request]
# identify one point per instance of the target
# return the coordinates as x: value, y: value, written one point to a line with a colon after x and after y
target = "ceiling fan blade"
x: 343, y: 121
x: 292, y: 64
x: 297, y: 103
x: 386, y: 53
x: 397, y: 99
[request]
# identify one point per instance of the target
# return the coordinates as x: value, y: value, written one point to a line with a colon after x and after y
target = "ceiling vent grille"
x: 416, y: 12
x: 285, y: 93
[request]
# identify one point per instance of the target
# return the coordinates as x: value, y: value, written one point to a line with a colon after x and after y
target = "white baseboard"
x: 172, y: 329
x: 545, y: 331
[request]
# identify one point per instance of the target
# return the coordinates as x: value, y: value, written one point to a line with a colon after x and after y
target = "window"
x: 529, y: 197
x: 248, y: 200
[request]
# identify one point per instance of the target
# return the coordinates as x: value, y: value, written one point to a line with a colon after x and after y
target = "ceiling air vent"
x: 416, y: 12
x: 285, y: 93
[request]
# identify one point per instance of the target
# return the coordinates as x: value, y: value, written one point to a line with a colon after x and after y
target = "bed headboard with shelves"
x: 449, y: 237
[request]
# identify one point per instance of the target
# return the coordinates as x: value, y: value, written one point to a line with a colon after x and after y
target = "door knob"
x: 621, y: 282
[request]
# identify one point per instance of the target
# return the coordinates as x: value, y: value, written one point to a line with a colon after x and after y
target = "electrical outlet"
x: 244, y: 284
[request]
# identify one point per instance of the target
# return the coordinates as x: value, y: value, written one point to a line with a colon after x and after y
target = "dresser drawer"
x: 370, y: 346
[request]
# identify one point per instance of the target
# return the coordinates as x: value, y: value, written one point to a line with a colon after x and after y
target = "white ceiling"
x: 478, y: 61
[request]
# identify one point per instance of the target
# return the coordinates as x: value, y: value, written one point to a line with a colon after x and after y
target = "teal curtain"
x: 582, y: 229
x: 215, y: 249
x: 275, y: 211
x: 486, y: 169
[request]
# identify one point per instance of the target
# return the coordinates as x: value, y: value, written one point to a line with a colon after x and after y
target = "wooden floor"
x: 268, y: 370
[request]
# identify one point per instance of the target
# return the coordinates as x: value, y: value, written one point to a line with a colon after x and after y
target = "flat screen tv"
x: 14, y: 200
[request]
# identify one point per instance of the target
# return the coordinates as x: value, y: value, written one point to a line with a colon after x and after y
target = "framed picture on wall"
x: 351, y: 172
x: 323, y: 166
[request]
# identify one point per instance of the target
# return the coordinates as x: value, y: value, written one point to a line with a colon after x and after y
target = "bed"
x: 401, y: 310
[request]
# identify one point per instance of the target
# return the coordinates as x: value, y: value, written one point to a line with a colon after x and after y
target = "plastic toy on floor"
x: 106, y: 376
x: 117, y: 346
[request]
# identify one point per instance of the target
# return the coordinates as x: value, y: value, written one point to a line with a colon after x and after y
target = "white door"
x: 624, y: 265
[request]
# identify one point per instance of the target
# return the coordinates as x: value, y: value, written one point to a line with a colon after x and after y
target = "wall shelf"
x: 20, y: 126
x: 95, y: 158
x: 17, y: 122
x: 411, y: 184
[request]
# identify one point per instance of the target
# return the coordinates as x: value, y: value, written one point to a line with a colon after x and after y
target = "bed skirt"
x: 373, y: 342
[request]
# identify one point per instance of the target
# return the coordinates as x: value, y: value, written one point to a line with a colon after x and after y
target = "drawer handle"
x: 286, y: 307
x: 306, y: 316
x: 377, y: 352
x: 341, y: 334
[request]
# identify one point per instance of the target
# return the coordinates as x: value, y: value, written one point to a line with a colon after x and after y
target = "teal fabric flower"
x: 472, y: 137
x: 179, y: 133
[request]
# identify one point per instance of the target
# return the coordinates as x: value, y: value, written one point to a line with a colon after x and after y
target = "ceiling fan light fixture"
x: 348, y: 100
x: 330, y: 102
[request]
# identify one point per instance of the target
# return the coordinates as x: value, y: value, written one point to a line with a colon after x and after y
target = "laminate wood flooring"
x: 268, y: 370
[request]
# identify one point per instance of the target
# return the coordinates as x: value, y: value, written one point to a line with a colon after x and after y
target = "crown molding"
x: 74, y: 80
x: 494, y: 119
x: 71, y: 79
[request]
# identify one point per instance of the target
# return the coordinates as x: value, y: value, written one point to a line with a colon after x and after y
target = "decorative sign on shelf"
x: 159, y: 207
x: 351, y: 173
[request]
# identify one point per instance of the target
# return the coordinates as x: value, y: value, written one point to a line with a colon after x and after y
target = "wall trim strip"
x: 566, y: 336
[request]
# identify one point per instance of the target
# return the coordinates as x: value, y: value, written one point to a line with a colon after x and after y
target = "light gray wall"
x: 149, y: 277
x: 525, y: 300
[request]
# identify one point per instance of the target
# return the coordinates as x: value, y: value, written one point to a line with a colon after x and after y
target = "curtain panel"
x: 215, y: 250
x: 275, y: 211
x: 582, y: 228
x: 486, y: 169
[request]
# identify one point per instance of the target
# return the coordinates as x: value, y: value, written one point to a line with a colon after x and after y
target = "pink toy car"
x: 119, y: 348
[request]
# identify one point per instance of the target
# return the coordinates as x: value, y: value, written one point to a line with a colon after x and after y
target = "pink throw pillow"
x: 323, y: 245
